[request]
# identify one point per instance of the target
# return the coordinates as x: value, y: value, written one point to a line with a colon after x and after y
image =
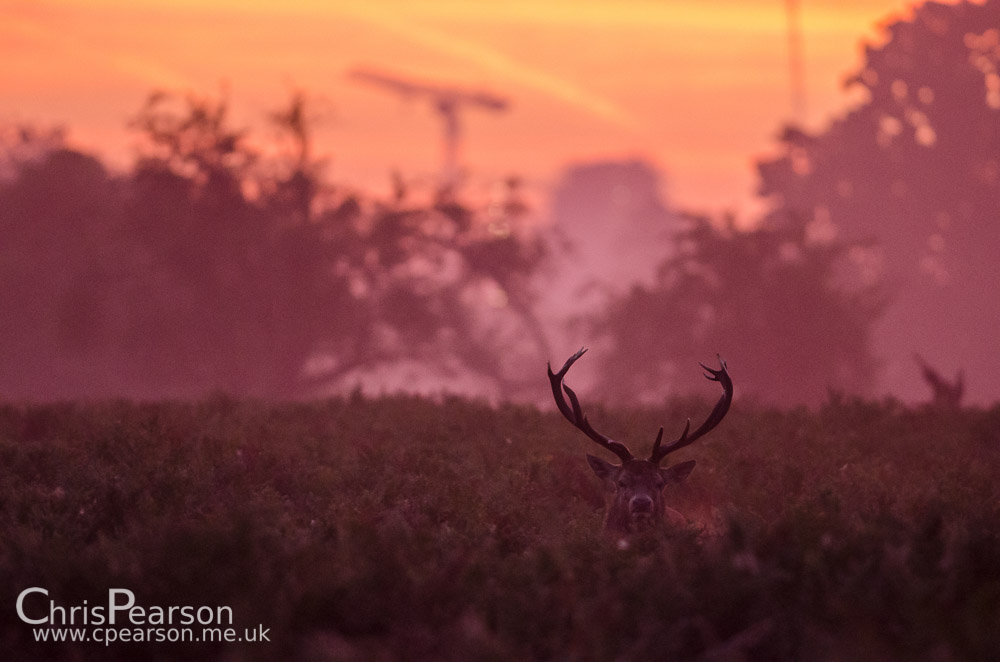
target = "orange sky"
x: 697, y: 87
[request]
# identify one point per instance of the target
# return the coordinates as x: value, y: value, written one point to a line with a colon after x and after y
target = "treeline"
x: 210, y: 266
x: 214, y: 264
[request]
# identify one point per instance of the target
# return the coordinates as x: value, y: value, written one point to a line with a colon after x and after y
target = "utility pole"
x: 446, y: 101
x: 796, y: 68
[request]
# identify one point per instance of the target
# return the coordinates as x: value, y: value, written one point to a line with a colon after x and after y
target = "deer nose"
x: 641, y: 504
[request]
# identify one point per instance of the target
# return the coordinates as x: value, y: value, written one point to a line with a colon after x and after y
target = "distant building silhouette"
x: 611, y: 229
x: 615, y: 227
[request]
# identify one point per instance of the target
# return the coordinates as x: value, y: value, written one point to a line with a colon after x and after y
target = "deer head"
x: 637, y: 485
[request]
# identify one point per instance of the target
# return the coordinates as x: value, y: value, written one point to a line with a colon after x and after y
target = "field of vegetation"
x: 403, y: 528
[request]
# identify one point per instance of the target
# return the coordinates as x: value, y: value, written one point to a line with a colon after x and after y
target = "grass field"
x: 401, y: 528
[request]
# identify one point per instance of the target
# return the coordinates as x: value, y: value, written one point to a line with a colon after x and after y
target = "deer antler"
x: 721, y: 407
x: 575, y: 415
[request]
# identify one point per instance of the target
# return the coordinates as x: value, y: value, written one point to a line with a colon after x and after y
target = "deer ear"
x: 604, y: 470
x: 678, y: 472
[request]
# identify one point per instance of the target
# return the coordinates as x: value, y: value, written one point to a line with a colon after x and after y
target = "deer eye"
x: 622, y: 482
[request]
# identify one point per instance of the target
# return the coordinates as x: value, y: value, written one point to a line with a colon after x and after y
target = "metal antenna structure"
x: 445, y: 100
x: 796, y: 67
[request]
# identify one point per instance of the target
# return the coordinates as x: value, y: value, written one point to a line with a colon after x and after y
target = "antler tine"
x: 718, y: 413
x: 616, y: 447
x: 574, y: 413
x: 656, y: 444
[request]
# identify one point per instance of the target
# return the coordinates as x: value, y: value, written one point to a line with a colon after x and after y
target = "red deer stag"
x: 637, y: 485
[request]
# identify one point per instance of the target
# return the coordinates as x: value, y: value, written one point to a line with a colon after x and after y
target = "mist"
x: 221, y: 261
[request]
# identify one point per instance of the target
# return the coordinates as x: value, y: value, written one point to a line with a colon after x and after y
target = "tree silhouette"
x: 916, y: 168
x: 772, y: 300
x: 59, y: 215
x: 210, y: 266
x: 450, y: 291
x: 286, y: 275
x: 240, y: 288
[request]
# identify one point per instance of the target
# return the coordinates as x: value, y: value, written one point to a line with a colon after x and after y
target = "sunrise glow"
x: 697, y: 88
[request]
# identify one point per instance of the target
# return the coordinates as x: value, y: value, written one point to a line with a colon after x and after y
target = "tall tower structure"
x: 796, y: 67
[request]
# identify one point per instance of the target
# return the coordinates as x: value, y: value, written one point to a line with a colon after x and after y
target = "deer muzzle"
x: 641, y: 505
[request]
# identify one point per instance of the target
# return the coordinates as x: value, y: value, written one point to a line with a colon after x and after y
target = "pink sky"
x: 697, y: 87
